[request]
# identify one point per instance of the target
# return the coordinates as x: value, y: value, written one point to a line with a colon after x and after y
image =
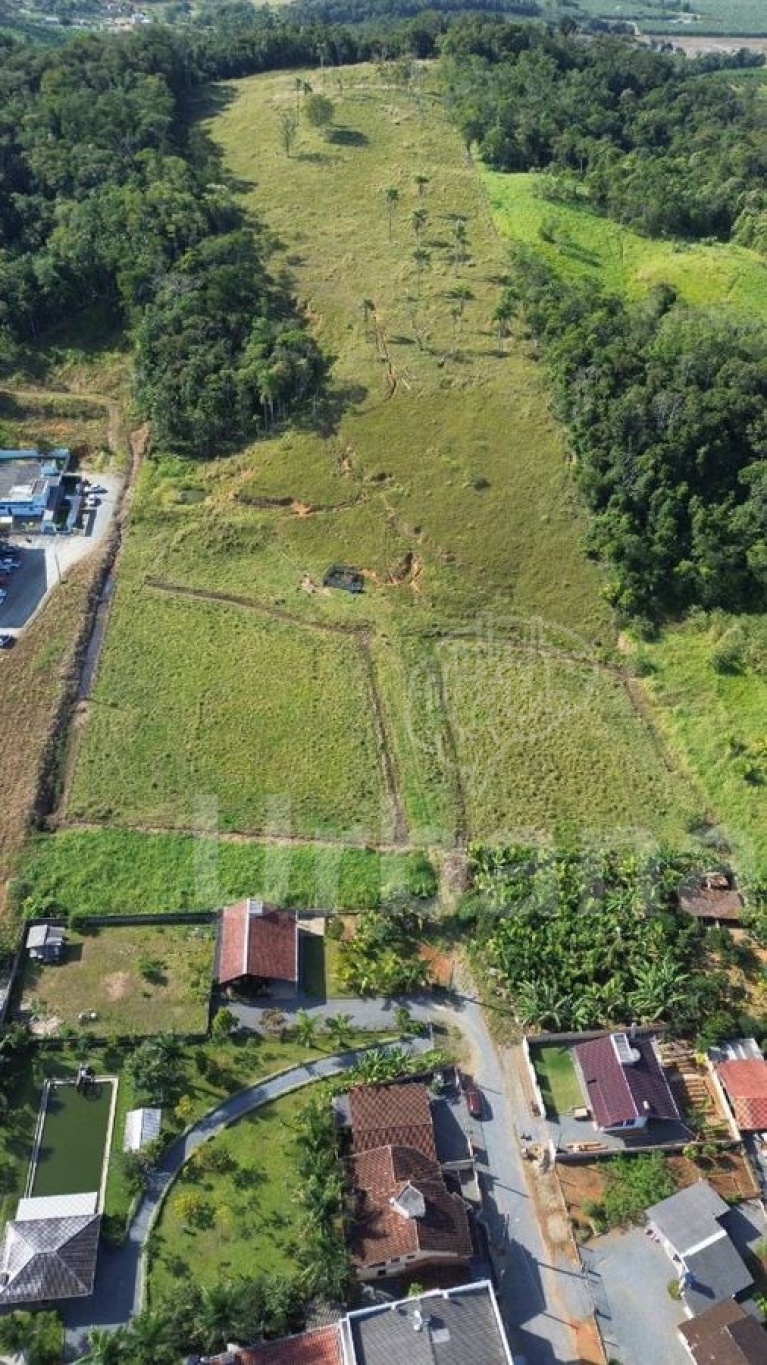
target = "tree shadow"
x: 324, y: 417
x: 348, y: 137
x: 316, y: 158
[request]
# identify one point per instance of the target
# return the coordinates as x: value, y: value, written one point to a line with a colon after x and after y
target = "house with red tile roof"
x: 404, y: 1214
x: 391, y: 1116
x: 744, y: 1082
x: 320, y: 1346
x: 260, y: 943
x: 623, y: 1081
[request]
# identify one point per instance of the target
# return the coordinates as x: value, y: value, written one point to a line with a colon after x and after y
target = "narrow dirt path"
x: 58, y: 822
x: 384, y: 746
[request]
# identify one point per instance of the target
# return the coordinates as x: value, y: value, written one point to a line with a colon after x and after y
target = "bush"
x: 334, y: 928
x: 673, y: 1290
x: 632, y: 1184
x: 421, y: 877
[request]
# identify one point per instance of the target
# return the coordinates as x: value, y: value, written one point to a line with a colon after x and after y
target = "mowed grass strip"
x: 119, y: 871
x: 582, y: 244
x: 137, y: 979
x: 196, y: 699
x: 546, y: 742
x: 72, y: 1149
x: 556, y: 1077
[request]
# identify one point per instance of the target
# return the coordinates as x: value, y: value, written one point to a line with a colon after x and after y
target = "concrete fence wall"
x: 537, y: 1096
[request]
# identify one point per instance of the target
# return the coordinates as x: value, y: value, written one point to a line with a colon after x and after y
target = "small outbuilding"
x: 46, y: 942
x: 141, y: 1126
x: 711, y: 896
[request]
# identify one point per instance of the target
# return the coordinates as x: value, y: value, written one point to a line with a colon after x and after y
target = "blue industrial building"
x: 31, y: 486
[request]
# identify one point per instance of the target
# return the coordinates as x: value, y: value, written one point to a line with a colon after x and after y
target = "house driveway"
x: 628, y: 1274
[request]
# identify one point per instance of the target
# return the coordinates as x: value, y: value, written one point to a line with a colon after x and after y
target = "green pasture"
x: 197, y: 698
x: 75, y: 1127
x: 119, y: 871
x: 746, y: 17
x: 546, y: 742
x: 446, y: 483
x: 713, y: 718
x: 588, y: 246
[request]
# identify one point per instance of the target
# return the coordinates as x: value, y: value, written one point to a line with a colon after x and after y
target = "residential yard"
x: 582, y: 244
x: 136, y: 979
x: 584, y: 1184
x: 320, y: 968
x: 244, y: 1218
x: 556, y: 1078
x: 115, y: 871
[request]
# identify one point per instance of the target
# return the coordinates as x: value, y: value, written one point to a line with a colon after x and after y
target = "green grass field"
x: 127, y: 872
x: 714, y: 720
x: 137, y: 980
x: 557, y: 1079
x: 248, y: 1223
x: 543, y: 742
x: 72, y: 1148
x: 588, y: 246
x: 656, y: 16
x: 304, y: 710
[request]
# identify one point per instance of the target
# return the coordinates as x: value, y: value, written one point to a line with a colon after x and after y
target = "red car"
x: 474, y: 1101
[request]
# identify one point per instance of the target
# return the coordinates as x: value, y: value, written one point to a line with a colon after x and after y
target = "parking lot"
x: 45, y: 559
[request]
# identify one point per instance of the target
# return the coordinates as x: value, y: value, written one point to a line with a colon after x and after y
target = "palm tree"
x: 419, y: 218
x: 421, y: 182
x: 339, y: 1026
x: 305, y: 1029
x: 148, y: 1339
x: 216, y: 1315
x: 422, y: 259
x: 391, y: 195
x: 368, y: 311
x: 502, y: 315
x: 105, y: 1348
x: 460, y: 240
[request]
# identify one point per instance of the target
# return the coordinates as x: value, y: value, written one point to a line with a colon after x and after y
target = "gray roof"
x: 41, y: 934
x: 141, y: 1126
x: 450, y: 1327
x: 688, y: 1217
x: 714, y: 1273
x: 48, y: 1258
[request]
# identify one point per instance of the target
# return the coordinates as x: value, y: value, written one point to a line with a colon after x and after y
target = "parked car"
x: 7, y: 641
x: 90, y: 503
x: 8, y: 565
x: 3, y: 594
x: 98, y: 488
x: 475, y: 1102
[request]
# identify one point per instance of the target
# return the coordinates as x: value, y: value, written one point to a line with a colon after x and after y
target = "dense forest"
x: 647, y: 138
x: 668, y: 422
x: 665, y: 405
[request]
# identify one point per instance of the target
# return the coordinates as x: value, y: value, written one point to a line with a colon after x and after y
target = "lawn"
x: 320, y: 967
x: 713, y: 719
x: 557, y: 1079
x: 588, y: 246
x: 545, y: 742
x: 75, y: 1131
x: 248, y: 1222
x: 147, y: 979
x: 116, y: 871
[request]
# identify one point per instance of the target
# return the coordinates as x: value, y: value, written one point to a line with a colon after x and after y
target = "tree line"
x: 666, y: 411
x: 651, y: 139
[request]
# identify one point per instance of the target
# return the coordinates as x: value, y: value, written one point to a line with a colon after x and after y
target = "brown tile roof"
x: 725, y: 1335
x: 381, y: 1232
x: 322, y: 1346
x: 617, y: 1092
x: 256, y: 940
x: 746, y: 1085
x: 391, y: 1116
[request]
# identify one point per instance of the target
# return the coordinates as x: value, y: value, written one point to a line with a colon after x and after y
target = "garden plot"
x: 127, y: 980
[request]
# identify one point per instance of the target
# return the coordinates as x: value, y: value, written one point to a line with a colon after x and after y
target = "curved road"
x: 119, y: 1287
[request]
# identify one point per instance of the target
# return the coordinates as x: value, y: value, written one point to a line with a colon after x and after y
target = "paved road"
x: 118, y: 1290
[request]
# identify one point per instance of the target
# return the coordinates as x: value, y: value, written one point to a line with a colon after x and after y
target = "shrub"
x: 421, y: 877
x: 334, y: 928
x: 673, y: 1290
x: 632, y: 1184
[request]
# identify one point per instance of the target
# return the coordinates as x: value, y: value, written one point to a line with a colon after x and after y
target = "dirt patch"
x: 587, y: 1342
x: 584, y: 1184
x: 441, y: 965
x: 117, y: 985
